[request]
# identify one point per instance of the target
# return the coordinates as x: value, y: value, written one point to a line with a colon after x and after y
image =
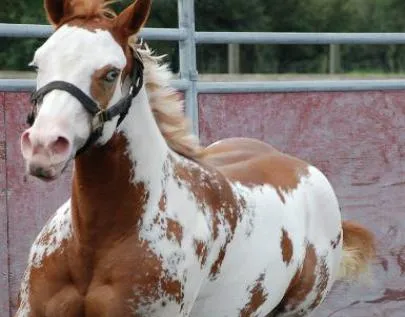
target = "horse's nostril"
x: 41, y: 172
x: 60, y: 146
x: 25, y: 139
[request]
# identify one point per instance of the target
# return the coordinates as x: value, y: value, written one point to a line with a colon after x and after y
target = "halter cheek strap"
x: 99, y: 116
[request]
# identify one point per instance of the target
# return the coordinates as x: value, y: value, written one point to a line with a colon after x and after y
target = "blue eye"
x: 111, y: 76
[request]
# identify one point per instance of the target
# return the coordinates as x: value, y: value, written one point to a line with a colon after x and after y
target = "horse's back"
x: 226, y: 152
x: 252, y: 162
x: 284, y: 255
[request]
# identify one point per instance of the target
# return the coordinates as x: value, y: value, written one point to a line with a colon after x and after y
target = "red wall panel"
x: 4, y: 273
x: 358, y: 140
x: 30, y: 201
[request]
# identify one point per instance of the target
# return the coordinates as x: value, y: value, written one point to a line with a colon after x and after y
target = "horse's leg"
x: 309, y: 286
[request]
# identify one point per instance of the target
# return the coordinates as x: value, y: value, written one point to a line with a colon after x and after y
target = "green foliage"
x: 252, y: 15
x: 15, y: 54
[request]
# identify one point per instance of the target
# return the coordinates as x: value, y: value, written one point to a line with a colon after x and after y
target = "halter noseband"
x: 99, y: 115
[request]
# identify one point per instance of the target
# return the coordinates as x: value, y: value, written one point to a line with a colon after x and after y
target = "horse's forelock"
x: 85, y: 10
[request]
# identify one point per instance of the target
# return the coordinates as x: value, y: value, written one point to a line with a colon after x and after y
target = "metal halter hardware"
x: 99, y: 116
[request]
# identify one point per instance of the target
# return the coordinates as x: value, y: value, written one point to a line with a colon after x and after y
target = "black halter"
x: 100, y: 116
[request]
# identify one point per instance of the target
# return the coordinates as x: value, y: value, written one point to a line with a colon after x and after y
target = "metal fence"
x: 188, y: 38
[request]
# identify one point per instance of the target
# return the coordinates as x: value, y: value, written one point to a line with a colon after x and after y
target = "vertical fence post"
x: 188, y: 59
x: 233, y: 58
x: 334, y: 58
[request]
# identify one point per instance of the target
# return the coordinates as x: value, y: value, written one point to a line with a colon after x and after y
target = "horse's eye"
x: 111, y: 76
x: 33, y: 67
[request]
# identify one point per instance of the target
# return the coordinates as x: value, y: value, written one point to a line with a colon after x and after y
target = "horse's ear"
x: 132, y: 19
x: 55, y: 10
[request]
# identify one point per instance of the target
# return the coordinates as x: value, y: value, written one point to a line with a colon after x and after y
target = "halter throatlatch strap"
x: 99, y: 115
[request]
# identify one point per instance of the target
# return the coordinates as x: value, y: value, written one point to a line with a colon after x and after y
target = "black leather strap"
x: 100, y: 116
x: 136, y: 85
x: 85, y: 100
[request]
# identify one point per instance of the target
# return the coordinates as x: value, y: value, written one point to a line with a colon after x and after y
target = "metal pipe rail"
x: 28, y: 85
x: 180, y: 34
x: 17, y: 85
x: 298, y: 38
x: 188, y: 38
x: 44, y: 31
x: 299, y: 86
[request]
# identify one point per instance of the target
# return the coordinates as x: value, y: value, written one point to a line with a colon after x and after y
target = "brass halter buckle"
x: 98, y: 121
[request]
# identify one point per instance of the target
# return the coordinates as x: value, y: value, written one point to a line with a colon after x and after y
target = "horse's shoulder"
x: 57, y: 229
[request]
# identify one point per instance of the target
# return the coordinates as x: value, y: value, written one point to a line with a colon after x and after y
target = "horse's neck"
x: 113, y: 184
x: 147, y: 148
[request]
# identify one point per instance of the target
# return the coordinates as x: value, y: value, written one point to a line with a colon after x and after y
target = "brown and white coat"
x: 157, y: 225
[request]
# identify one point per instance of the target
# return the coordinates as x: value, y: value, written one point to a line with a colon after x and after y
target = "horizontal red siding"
x: 4, y: 272
x: 356, y: 139
x: 30, y: 202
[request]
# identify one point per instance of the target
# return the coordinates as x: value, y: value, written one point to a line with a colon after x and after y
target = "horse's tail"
x: 358, y: 250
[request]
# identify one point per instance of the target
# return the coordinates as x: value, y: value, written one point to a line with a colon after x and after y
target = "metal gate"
x: 353, y: 130
x: 188, y: 38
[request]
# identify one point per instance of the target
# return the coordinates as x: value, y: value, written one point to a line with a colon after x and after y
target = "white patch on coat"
x: 256, y: 242
x: 73, y: 54
x: 49, y: 240
x: 24, y: 308
x: 147, y: 148
x: 309, y: 212
x: 57, y: 230
x: 179, y: 261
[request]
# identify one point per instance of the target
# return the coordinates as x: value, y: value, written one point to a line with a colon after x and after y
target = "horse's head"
x: 80, y: 68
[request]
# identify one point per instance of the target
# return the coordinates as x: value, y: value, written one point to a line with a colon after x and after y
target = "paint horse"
x: 157, y: 225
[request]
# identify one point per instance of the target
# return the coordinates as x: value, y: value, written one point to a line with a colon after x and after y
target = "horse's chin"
x: 46, y: 178
x: 46, y: 173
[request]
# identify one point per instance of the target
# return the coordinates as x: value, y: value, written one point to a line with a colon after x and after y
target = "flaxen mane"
x: 166, y: 104
x: 165, y: 101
